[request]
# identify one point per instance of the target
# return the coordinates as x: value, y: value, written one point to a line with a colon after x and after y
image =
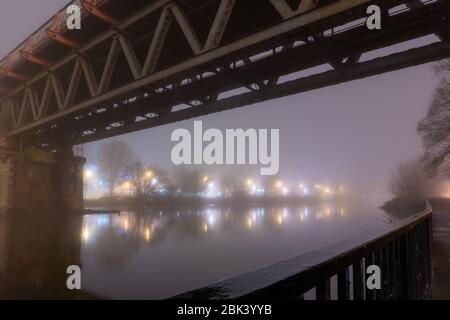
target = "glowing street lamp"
x: 252, y: 187
x: 149, y: 174
x: 127, y: 187
x: 88, y: 173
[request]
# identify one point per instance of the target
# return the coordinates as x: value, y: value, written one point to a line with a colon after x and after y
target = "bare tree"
x: 190, y: 182
x: 434, y: 129
x: 113, y: 158
x: 146, y: 180
x: 409, y: 181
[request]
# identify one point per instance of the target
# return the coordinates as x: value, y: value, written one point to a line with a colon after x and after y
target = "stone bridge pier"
x: 35, y: 181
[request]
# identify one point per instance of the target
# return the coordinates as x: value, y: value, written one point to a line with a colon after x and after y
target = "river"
x: 160, y: 253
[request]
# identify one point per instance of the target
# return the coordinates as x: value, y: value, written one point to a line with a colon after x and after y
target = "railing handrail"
x: 299, y: 274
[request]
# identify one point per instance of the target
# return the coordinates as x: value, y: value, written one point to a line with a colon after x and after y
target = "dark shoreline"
x: 169, y: 202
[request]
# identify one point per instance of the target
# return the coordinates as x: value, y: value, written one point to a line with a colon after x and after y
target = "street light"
x: 149, y: 174
x: 127, y: 186
x: 88, y: 174
x: 305, y: 191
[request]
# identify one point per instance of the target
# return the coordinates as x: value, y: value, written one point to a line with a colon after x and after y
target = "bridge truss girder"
x: 46, y: 115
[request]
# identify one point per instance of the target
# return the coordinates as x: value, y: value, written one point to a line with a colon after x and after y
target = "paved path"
x: 441, y: 252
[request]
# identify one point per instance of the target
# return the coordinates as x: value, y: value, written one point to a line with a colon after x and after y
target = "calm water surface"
x: 158, y: 254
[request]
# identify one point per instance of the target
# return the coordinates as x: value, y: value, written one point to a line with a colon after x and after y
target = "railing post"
x: 323, y: 290
x: 395, y: 277
x: 413, y: 263
x: 344, y: 284
x: 405, y: 270
x: 358, y: 280
x: 429, y: 226
x: 368, y: 260
x: 378, y: 259
x: 385, y: 266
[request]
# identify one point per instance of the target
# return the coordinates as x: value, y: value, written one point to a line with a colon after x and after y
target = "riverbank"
x: 168, y: 202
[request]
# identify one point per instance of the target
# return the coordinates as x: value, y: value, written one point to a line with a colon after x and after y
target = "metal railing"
x: 403, y: 254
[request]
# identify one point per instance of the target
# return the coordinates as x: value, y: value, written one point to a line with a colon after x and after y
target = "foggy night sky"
x: 355, y: 132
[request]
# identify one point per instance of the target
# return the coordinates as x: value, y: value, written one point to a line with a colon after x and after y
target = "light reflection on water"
x: 158, y: 254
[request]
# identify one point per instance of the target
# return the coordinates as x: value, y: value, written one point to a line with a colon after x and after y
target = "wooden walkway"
x: 441, y: 251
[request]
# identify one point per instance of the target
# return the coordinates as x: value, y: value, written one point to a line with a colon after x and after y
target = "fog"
x: 146, y: 233
x: 354, y: 133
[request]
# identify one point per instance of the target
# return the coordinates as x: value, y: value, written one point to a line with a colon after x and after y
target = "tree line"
x: 117, y: 164
x: 419, y: 178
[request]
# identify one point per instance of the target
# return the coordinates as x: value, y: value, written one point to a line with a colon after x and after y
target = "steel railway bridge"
x: 144, y: 63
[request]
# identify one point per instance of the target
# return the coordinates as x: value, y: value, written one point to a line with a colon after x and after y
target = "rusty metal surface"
x: 40, y: 37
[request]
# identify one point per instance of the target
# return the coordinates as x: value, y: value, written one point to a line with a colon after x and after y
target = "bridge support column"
x: 6, y: 179
x: 40, y: 181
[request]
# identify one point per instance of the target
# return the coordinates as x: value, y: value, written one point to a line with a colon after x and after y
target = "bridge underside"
x: 260, y: 53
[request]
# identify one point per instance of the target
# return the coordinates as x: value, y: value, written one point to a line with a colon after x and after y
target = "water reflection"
x: 160, y: 253
x: 154, y: 226
x: 34, y: 255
